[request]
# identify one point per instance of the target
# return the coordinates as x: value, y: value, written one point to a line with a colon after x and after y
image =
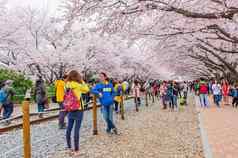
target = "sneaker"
x: 114, y: 131
x: 108, y: 131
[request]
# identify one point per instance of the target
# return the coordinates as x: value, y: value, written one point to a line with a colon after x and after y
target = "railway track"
x: 49, y: 114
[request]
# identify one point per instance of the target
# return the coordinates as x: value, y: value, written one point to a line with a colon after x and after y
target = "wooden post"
x: 26, y: 129
x: 95, y: 130
x: 146, y: 98
x: 122, y: 108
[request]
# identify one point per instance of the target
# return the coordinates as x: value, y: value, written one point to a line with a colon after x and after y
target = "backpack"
x: 3, y: 96
x: 203, y: 89
x: 71, y: 102
x: 182, y: 101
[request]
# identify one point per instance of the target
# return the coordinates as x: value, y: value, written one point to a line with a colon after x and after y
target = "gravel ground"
x: 151, y: 133
x: 46, y: 139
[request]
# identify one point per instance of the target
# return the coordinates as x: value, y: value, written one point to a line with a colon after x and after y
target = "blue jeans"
x: 7, y: 110
x: 203, y: 100
x: 71, y: 122
x: 217, y: 99
x: 171, y: 98
x: 40, y: 107
x: 107, y: 112
x: 175, y: 102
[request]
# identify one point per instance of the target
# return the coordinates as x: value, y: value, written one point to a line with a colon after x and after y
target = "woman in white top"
x: 216, y: 89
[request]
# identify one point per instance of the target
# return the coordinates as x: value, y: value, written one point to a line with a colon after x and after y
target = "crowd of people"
x: 220, y: 92
x: 73, y: 96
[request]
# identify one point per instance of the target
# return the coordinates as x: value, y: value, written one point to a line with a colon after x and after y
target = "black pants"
x: 235, y: 102
x: 7, y: 110
x: 138, y: 101
x: 116, y: 106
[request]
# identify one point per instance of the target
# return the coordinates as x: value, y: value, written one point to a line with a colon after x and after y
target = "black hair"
x: 105, y: 75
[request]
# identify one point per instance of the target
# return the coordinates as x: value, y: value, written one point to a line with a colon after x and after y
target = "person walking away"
x: 2, y: 96
x: 7, y: 93
x: 125, y: 87
x: 185, y: 92
x: 234, y: 94
x: 210, y: 87
x: 225, y: 92
x: 136, y: 93
x: 196, y: 87
x: 216, y: 89
x: 118, y: 92
x: 175, y: 87
x: 170, y: 95
x: 155, y: 89
x: 203, y: 93
x: 106, y: 93
x: 163, y: 94
x: 180, y: 89
x: 74, y: 105
x: 60, y: 88
x: 40, y: 93
x: 147, y: 88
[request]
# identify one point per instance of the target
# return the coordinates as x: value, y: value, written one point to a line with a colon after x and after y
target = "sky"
x: 50, y: 5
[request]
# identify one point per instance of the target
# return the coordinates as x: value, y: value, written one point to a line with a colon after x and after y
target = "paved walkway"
x: 221, y: 126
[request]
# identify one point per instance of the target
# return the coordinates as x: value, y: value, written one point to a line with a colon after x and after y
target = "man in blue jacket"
x: 105, y: 91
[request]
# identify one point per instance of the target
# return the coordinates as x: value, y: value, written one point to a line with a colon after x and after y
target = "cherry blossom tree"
x: 137, y: 38
x: 205, y: 31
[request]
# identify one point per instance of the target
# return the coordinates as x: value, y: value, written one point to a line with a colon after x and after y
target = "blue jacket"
x: 170, y: 91
x: 234, y: 93
x: 107, y: 92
